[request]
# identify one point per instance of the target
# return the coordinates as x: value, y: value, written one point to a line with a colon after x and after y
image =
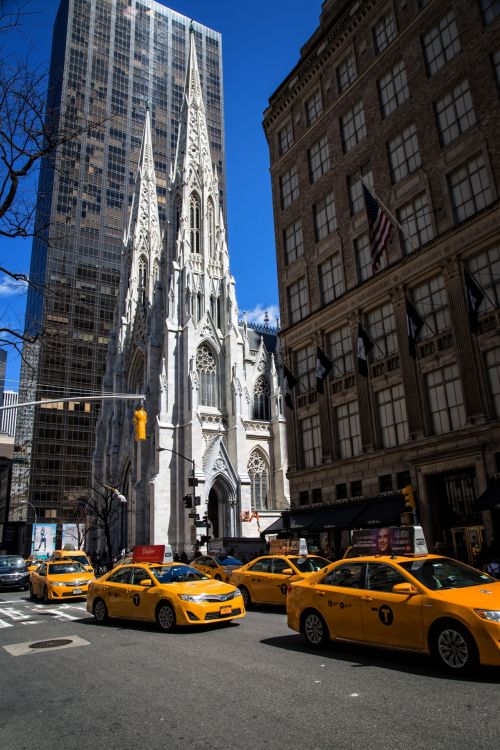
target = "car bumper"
x: 193, y: 613
x: 19, y: 583
x: 60, y: 593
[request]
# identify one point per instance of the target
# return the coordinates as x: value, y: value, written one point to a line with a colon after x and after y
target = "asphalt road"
x: 249, y: 685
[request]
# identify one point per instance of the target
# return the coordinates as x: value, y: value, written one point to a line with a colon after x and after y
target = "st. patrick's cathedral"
x: 213, y: 392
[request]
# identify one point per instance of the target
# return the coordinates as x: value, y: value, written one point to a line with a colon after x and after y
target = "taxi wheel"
x: 100, y: 612
x: 245, y: 595
x: 165, y: 617
x: 314, y: 629
x: 454, y: 648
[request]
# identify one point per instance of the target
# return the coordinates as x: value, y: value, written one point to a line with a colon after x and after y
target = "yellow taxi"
x: 74, y: 554
x: 265, y: 580
x: 170, y: 594
x: 220, y: 568
x: 59, y: 580
x: 33, y: 562
x: 429, y: 604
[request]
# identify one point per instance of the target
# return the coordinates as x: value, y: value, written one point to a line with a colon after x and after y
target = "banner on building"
x: 73, y: 536
x: 44, y: 539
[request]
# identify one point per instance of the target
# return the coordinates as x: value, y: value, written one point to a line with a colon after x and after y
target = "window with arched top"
x: 195, y: 223
x: 177, y: 225
x: 261, y: 399
x: 211, y: 230
x: 206, y: 367
x: 143, y: 274
x: 259, y: 476
x: 156, y: 271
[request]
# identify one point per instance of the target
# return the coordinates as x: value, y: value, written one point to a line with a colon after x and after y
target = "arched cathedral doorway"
x: 221, y: 509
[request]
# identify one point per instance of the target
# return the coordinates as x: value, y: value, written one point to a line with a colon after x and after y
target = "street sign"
x: 193, y: 515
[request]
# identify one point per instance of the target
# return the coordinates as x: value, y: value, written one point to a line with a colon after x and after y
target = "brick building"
x: 405, y: 95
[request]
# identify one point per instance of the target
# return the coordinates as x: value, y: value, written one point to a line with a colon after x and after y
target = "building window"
x: 259, y: 477
x: 493, y: 366
x: 495, y: 59
x: 311, y: 441
x: 384, y: 32
x: 341, y: 491
x: 392, y: 416
x: 325, y: 217
x: 490, y: 9
x: 298, y: 304
x: 316, y: 495
x: 393, y: 89
x: 455, y: 113
x: 305, y: 367
x: 261, y: 399
x: 349, y: 432
x: 485, y: 269
x: 319, y: 159
x: 346, y: 73
x: 353, y: 127
x: 363, y: 254
x: 142, y: 279
x: 385, y: 483
x: 404, y: 154
x: 194, y: 223
x: 340, y: 348
x: 382, y: 331
x: 441, y: 43
x: 285, y: 138
x: 356, y: 488
x: 331, y: 279
x: 289, y: 187
x: 206, y: 367
x: 314, y: 107
x: 470, y: 188
x: 304, y: 497
x: 431, y: 302
x: 211, y: 229
x: 403, y: 479
x: 355, y: 186
x: 446, y: 401
x: 293, y: 242
x: 415, y: 219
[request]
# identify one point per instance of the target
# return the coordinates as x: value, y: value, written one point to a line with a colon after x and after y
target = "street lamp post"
x: 33, y: 532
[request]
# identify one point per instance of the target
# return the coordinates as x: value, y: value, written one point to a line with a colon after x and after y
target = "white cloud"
x: 258, y: 314
x: 10, y: 287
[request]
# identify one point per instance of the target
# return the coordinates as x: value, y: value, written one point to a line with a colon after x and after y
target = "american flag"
x: 379, y: 228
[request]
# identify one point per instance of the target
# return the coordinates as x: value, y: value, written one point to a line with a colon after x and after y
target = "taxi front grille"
x: 218, y: 616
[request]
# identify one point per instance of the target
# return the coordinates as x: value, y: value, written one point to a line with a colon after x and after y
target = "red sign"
x: 149, y: 553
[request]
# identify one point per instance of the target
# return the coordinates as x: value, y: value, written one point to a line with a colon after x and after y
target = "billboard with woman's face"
x: 44, y: 539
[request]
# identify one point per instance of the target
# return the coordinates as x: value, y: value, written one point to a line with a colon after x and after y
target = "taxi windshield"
x: 177, y: 574
x: 309, y: 564
x: 78, y: 558
x: 58, y: 569
x: 444, y: 573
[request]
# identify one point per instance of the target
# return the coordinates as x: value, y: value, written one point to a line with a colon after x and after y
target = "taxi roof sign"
x: 148, y: 553
x: 389, y: 540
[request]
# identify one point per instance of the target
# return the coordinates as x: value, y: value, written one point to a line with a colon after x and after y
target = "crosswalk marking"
x: 4, y: 624
x: 14, y: 614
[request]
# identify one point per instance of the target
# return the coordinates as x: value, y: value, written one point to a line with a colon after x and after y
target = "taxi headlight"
x: 493, y: 615
x: 59, y: 583
x: 192, y: 597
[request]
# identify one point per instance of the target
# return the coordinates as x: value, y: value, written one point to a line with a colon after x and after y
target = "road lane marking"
x: 14, y: 614
x: 21, y: 649
x: 4, y: 624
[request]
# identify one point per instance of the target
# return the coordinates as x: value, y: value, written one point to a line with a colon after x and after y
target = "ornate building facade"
x: 213, y: 395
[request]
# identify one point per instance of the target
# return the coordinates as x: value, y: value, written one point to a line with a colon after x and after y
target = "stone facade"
x: 213, y: 395
x: 404, y: 94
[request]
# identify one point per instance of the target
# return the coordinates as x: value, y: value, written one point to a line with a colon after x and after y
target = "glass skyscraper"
x: 109, y: 58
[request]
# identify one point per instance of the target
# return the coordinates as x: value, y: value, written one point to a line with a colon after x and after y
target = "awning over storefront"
x: 298, y: 522
x: 490, y: 499
x: 275, y: 527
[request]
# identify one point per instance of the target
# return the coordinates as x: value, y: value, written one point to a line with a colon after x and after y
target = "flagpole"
x: 389, y: 214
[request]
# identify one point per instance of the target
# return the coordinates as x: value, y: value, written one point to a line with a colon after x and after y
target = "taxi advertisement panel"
x: 149, y: 553
x: 390, y: 540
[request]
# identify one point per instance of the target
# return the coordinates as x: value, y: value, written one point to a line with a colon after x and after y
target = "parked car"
x: 14, y: 572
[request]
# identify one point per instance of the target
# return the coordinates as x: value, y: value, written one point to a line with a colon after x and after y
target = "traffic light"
x: 188, y: 501
x: 139, y: 421
x: 409, y: 497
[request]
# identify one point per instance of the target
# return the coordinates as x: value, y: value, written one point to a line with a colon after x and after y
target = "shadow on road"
x: 367, y: 656
x: 151, y: 627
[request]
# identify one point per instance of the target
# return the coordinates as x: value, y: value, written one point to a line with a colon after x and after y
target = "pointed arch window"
x: 177, y: 217
x: 211, y: 230
x: 143, y: 275
x: 194, y: 223
x: 259, y: 475
x: 215, y: 310
x: 206, y: 367
x: 261, y: 399
x: 156, y: 271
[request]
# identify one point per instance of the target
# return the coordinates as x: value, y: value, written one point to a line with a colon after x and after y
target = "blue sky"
x: 261, y: 44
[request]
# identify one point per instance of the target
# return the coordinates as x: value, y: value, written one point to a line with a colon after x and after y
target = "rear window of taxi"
x: 309, y: 564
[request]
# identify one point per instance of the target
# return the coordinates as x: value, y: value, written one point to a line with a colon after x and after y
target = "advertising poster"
x: 73, y: 535
x: 397, y: 540
x: 44, y: 539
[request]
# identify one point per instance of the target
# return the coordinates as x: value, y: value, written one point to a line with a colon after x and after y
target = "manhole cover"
x: 51, y: 644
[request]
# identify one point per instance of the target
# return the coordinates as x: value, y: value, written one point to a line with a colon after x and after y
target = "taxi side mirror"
x: 146, y: 582
x: 287, y: 572
x: 404, y: 588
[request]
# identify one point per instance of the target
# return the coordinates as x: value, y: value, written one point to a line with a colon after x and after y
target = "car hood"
x: 210, y: 586
x: 484, y: 596
x: 63, y: 577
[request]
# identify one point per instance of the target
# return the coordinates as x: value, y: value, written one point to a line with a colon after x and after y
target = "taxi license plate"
x: 77, y: 591
x: 225, y: 611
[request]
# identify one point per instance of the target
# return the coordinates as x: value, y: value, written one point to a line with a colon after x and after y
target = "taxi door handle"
x: 320, y: 593
x: 366, y: 599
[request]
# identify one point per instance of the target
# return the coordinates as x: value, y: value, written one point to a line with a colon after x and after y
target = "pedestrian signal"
x: 408, y: 495
x: 139, y: 421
